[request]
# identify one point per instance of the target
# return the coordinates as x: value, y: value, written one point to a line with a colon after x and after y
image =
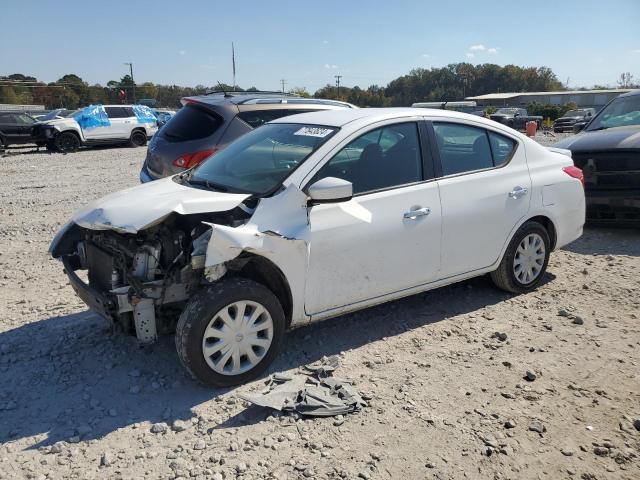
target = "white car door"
x: 121, y: 121
x: 385, y: 239
x: 484, y: 189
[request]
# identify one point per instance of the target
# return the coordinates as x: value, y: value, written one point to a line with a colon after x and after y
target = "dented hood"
x: 140, y: 207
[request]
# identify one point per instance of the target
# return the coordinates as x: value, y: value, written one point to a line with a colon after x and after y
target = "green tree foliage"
x: 550, y: 111
x: 453, y: 82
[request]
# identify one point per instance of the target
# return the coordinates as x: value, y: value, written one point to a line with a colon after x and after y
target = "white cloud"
x: 333, y: 67
x: 470, y: 55
x: 182, y: 52
x: 492, y: 50
x: 635, y: 51
x: 477, y: 48
x: 325, y: 42
x: 426, y: 55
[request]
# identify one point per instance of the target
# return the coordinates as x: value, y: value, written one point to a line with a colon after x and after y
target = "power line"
x: 283, y: 82
x: 338, y: 77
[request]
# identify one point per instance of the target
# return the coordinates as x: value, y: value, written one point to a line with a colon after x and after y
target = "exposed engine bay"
x: 141, y: 281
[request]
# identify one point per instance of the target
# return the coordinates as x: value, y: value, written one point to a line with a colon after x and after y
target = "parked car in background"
x: 163, y: 115
x: 15, y: 128
x: 570, y: 118
x: 53, y: 114
x: 206, y: 124
x: 97, y: 125
x: 315, y: 215
x: 515, y: 117
x: 608, y: 152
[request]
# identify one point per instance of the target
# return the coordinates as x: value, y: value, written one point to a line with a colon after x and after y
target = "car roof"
x: 632, y: 93
x: 339, y: 118
x: 267, y: 98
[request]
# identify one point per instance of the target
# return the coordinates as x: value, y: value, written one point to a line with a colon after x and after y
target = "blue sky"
x: 307, y: 43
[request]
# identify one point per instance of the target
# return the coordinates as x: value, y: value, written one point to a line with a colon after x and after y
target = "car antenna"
x: 221, y: 87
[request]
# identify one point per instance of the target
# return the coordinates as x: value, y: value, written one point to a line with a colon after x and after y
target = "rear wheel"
x: 67, y: 142
x: 138, y: 139
x: 229, y: 333
x: 525, y: 261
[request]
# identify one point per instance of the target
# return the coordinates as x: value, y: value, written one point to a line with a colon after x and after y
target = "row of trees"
x: 453, y: 82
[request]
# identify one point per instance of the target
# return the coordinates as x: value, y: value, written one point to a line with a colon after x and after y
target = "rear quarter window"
x: 191, y: 123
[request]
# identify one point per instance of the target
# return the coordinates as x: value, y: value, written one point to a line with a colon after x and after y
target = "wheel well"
x: 548, y: 224
x: 73, y: 132
x: 264, y: 271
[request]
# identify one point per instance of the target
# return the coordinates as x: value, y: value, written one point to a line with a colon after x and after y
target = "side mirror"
x: 330, y: 190
x: 516, y: 114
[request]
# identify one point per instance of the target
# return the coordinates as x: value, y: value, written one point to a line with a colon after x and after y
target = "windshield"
x: 74, y: 113
x: 574, y: 113
x: 621, y: 112
x: 259, y: 161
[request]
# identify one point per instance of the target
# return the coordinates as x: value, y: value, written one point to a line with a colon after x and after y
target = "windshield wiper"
x: 207, y: 183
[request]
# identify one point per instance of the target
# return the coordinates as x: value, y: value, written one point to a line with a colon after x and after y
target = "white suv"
x: 315, y: 215
x: 97, y: 125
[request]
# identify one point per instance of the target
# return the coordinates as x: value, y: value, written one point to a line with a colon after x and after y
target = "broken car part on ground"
x: 314, y: 392
x: 249, y: 243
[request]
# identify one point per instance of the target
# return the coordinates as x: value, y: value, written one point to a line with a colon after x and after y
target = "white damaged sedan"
x: 315, y: 215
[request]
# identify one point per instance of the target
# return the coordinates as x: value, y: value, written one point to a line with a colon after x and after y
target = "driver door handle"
x: 414, y: 214
x: 518, y: 192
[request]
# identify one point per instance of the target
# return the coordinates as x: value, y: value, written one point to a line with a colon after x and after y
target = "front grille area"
x: 609, y: 169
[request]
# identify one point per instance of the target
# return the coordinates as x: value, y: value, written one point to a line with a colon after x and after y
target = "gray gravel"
x: 448, y: 397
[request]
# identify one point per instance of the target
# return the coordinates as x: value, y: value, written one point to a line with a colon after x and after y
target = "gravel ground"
x: 447, y: 369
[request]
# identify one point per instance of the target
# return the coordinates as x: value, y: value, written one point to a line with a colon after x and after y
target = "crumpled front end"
x: 136, y: 257
x: 139, y: 280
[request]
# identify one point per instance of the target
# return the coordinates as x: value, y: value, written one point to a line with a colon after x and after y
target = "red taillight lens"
x: 574, y: 172
x: 189, y: 160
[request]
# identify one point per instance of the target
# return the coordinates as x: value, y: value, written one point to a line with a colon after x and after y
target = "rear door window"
x: 462, y: 148
x: 502, y: 148
x: 191, y: 123
x: 116, y: 112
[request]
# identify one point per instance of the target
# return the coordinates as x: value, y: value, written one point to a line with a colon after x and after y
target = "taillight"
x: 574, y: 172
x: 189, y: 160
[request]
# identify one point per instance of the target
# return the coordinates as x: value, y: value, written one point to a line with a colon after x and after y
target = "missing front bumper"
x: 124, y: 300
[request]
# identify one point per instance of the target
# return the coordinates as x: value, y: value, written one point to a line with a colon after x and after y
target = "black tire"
x: 200, y: 310
x: 138, y: 139
x: 67, y: 142
x: 51, y: 147
x: 504, y: 276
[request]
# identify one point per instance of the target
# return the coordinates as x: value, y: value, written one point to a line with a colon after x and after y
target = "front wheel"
x: 230, y: 332
x: 525, y: 260
x: 67, y: 142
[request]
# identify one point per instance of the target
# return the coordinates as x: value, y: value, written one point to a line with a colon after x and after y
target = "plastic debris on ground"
x: 92, y: 116
x: 313, y: 391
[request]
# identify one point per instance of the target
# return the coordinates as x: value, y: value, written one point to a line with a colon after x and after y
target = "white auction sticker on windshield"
x: 314, y: 132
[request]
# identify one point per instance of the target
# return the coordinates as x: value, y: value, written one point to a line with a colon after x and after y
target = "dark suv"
x: 15, y: 128
x: 208, y: 123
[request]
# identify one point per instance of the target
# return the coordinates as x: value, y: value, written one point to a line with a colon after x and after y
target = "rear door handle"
x: 518, y: 192
x: 419, y: 212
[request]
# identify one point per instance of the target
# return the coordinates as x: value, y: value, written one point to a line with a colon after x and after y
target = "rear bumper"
x: 145, y: 176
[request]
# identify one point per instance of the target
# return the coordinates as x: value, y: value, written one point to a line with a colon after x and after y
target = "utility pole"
x: 283, y: 82
x: 338, y: 77
x: 133, y: 83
